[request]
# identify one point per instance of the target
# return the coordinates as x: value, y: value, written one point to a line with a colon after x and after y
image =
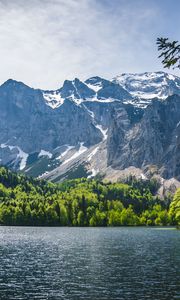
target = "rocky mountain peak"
x: 13, y: 84
x: 149, y: 85
x: 97, y: 125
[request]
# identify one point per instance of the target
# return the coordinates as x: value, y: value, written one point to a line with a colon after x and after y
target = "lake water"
x: 89, y: 263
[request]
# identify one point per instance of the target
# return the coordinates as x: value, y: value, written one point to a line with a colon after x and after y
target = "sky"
x: 44, y: 42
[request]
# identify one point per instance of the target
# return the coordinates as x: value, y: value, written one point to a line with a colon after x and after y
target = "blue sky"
x: 44, y: 42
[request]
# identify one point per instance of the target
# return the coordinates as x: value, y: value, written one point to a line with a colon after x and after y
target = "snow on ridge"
x: 45, y: 153
x: 142, y: 76
x: 80, y: 151
x: 53, y: 98
x: 94, y: 87
x: 103, y: 100
x: 149, y: 96
x: 76, y: 100
x: 138, y: 103
x: 171, y: 77
x: 21, y: 154
x: 148, y: 85
x: 93, y: 99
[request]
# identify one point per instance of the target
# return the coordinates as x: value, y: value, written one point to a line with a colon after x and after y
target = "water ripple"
x: 89, y: 263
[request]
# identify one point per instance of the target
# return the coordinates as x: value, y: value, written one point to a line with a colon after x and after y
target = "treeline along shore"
x: 26, y: 201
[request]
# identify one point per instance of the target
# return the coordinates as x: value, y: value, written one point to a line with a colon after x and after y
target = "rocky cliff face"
x: 27, y: 122
x: 93, y: 127
x: 153, y: 141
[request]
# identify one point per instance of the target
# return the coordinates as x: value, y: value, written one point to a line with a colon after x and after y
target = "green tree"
x: 128, y: 217
x: 174, y: 211
x: 81, y: 219
x: 170, y: 52
x: 82, y: 202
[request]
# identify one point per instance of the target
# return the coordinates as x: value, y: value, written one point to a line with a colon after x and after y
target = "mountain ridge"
x: 97, y: 125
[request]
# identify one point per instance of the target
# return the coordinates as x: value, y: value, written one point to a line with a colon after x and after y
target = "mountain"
x: 155, y: 140
x: 96, y: 127
x: 146, y: 86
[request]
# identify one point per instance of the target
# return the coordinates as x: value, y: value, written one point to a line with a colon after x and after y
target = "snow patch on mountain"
x: 143, y: 87
x: 43, y: 174
x: 53, y: 98
x: 21, y: 155
x: 102, y: 100
x: 103, y: 131
x: 148, y: 85
x: 90, y: 156
x: 76, y: 100
x: 45, y: 153
x: 98, y: 126
x: 65, y: 152
x: 138, y: 102
x: 95, y: 87
x: 93, y: 173
x: 80, y: 151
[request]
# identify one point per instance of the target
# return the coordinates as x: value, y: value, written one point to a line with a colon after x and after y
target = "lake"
x: 89, y: 263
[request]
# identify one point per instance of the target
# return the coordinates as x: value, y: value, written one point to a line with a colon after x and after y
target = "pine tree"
x: 170, y: 52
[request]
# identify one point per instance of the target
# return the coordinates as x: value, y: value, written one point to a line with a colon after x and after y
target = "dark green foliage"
x: 81, y: 202
x: 170, y: 52
x: 152, y: 185
x: 37, y: 166
x: 175, y: 208
x: 32, y: 158
x: 78, y: 172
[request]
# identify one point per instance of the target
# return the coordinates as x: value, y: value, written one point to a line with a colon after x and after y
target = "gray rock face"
x: 76, y: 88
x: 26, y: 121
x: 154, y: 140
x: 99, y: 123
x: 108, y: 89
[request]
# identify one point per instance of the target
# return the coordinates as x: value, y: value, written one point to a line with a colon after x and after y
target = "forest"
x: 84, y: 202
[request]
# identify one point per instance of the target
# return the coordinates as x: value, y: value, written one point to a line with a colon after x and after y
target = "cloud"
x: 46, y: 42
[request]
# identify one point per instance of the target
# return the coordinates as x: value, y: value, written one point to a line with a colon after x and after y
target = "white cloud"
x: 45, y: 42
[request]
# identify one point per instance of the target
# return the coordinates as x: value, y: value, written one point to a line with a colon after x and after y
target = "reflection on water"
x: 89, y: 263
